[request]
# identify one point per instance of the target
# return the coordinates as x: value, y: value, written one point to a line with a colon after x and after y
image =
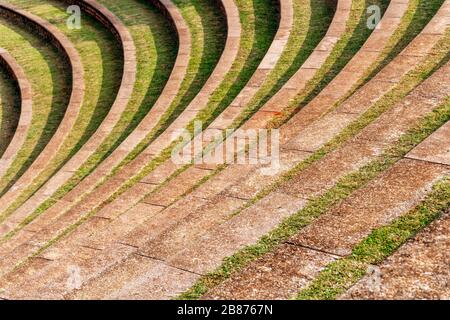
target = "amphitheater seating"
x: 363, y: 143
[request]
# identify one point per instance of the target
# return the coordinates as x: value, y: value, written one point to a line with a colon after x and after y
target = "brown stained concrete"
x: 418, y: 270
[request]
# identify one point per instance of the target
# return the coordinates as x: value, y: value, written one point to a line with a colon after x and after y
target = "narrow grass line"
x: 340, y: 275
x: 9, y: 109
x: 50, y: 83
x: 346, y: 185
x: 99, y: 56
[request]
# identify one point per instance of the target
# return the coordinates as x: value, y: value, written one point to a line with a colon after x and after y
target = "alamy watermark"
x: 374, y: 278
x: 74, y: 280
x: 74, y: 20
x: 251, y: 146
x: 373, y: 21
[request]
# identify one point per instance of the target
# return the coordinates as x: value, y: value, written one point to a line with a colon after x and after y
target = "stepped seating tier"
x: 104, y: 191
x: 294, y: 264
x: 173, y: 190
x: 288, y: 204
x: 59, y: 40
x: 343, y: 10
x: 26, y: 109
x: 419, y: 270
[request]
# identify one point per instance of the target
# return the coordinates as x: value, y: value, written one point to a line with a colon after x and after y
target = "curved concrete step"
x: 57, y: 38
x: 147, y: 124
x: 26, y: 110
x: 123, y: 96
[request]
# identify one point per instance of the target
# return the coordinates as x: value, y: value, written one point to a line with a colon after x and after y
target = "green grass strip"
x: 340, y: 275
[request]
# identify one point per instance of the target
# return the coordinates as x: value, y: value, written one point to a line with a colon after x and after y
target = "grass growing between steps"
x: 50, y: 83
x: 417, y: 16
x: 206, y: 25
x: 100, y: 56
x: 345, y: 185
x: 351, y: 41
x: 309, y: 27
x: 150, y: 31
x: 340, y: 275
x: 155, y: 47
x: 259, y: 20
x: 343, y: 48
x: 311, y: 21
x: 9, y: 109
x: 256, y: 37
x: 208, y: 31
x: 346, y: 47
x: 254, y: 44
